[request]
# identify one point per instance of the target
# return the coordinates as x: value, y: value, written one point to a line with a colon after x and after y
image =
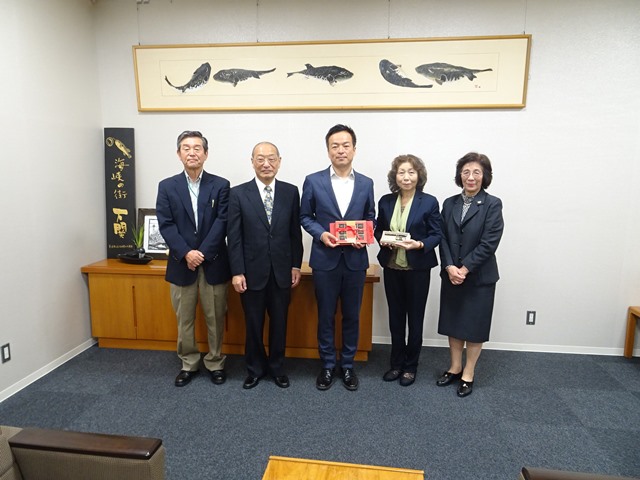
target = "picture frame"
x: 425, y: 73
x: 153, y: 243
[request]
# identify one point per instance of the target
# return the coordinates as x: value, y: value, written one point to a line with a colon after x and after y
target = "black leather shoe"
x: 282, y: 381
x: 448, y: 378
x: 407, y: 378
x: 349, y: 379
x: 218, y: 376
x: 250, y: 382
x: 391, y: 375
x: 465, y: 388
x: 324, y: 380
x: 184, y: 377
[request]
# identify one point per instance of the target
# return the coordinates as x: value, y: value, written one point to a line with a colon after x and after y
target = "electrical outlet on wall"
x: 531, y: 317
x: 5, y: 351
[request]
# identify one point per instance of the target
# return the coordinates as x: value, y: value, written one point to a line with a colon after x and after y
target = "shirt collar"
x: 351, y: 176
x: 197, y: 180
x: 261, y: 185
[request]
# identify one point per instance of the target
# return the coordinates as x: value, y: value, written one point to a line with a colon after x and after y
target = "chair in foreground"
x: 38, y: 454
x: 529, y: 473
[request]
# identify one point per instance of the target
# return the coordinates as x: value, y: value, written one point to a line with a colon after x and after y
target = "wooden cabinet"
x: 131, y: 308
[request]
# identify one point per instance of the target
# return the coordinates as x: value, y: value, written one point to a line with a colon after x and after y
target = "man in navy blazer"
x: 339, y: 272
x: 265, y: 252
x: 192, y: 215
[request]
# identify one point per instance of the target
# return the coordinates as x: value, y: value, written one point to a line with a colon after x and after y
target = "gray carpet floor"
x: 569, y: 412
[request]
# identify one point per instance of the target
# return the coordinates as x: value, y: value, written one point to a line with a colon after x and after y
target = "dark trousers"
x: 330, y: 286
x: 406, y: 292
x: 274, y: 301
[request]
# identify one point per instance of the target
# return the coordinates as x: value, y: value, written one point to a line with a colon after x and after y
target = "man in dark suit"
x: 265, y: 251
x: 339, y: 272
x: 192, y: 215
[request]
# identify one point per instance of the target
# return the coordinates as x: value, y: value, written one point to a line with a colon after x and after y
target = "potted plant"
x: 137, y: 234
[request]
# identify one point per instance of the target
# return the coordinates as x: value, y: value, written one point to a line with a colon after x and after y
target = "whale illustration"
x: 199, y: 79
x: 330, y: 73
x: 392, y: 74
x: 445, y: 72
x: 235, y: 75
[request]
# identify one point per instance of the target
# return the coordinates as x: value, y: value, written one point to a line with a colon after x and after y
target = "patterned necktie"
x: 268, y: 202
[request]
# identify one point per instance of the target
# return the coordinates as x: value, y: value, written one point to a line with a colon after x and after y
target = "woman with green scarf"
x: 407, y: 260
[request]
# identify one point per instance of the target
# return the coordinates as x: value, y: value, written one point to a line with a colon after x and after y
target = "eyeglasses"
x: 468, y: 173
x: 262, y: 160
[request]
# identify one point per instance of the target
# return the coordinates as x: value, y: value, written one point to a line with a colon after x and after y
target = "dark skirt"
x: 465, y: 311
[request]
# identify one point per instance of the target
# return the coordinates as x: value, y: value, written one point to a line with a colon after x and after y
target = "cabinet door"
x: 111, y: 298
x: 234, y: 329
x: 155, y: 318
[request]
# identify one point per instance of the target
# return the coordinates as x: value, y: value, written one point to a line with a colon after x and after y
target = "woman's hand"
x: 457, y: 275
x: 410, y: 244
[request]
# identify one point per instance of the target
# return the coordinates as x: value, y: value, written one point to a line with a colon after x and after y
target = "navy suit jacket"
x: 423, y: 223
x: 178, y: 227
x: 255, y: 246
x: 319, y: 208
x: 472, y: 243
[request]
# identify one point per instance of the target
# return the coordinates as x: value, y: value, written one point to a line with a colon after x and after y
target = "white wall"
x: 565, y: 166
x: 51, y: 194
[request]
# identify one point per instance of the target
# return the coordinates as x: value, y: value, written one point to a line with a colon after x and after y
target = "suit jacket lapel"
x: 279, y: 203
x: 415, y: 207
x: 475, y: 206
x: 183, y: 192
x: 325, y: 181
x: 206, y: 185
x: 255, y: 199
x: 457, y: 210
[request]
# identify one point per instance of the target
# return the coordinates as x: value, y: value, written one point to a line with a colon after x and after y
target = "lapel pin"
x: 212, y: 203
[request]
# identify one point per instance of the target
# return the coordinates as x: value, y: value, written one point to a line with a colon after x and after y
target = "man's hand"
x: 295, y: 277
x: 194, y: 258
x: 239, y: 283
x: 329, y: 240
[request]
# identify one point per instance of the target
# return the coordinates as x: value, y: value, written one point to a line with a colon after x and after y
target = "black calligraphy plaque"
x: 119, y: 175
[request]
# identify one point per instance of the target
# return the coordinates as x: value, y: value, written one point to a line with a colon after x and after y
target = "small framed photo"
x: 153, y: 243
x: 394, y: 237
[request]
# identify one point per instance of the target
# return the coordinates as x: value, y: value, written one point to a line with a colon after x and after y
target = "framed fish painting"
x: 427, y: 73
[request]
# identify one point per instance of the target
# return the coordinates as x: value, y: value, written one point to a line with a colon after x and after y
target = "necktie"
x: 268, y: 202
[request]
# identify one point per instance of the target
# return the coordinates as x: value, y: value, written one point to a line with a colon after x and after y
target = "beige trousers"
x: 213, y: 299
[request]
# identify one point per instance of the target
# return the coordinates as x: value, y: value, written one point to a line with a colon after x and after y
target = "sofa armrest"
x: 119, y: 446
x: 45, y: 454
x: 529, y: 473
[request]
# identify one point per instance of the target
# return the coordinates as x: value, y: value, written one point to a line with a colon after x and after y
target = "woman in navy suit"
x: 407, y: 264
x: 472, y: 228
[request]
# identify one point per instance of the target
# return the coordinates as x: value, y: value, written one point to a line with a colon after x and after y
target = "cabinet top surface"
x: 159, y: 267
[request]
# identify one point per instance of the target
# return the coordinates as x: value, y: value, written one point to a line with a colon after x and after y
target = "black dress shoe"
x: 184, y: 377
x: 391, y: 375
x: 282, y: 381
x: 465, y: 388
x: 324, y: 379
x: 407, y: 378
x: 250, y: 382
x: 349, y: 379
x: 218, y: 376
x: 448, y: 378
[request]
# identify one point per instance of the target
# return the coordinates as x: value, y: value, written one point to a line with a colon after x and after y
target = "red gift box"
x: 352, y: 231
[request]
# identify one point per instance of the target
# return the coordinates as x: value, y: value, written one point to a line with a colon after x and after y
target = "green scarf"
x: 399, y: 224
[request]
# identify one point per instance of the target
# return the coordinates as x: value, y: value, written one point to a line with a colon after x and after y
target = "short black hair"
x: 418, y: 166
x: 193, y: 133
x: 485, y: 163
x: 340, y: 128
